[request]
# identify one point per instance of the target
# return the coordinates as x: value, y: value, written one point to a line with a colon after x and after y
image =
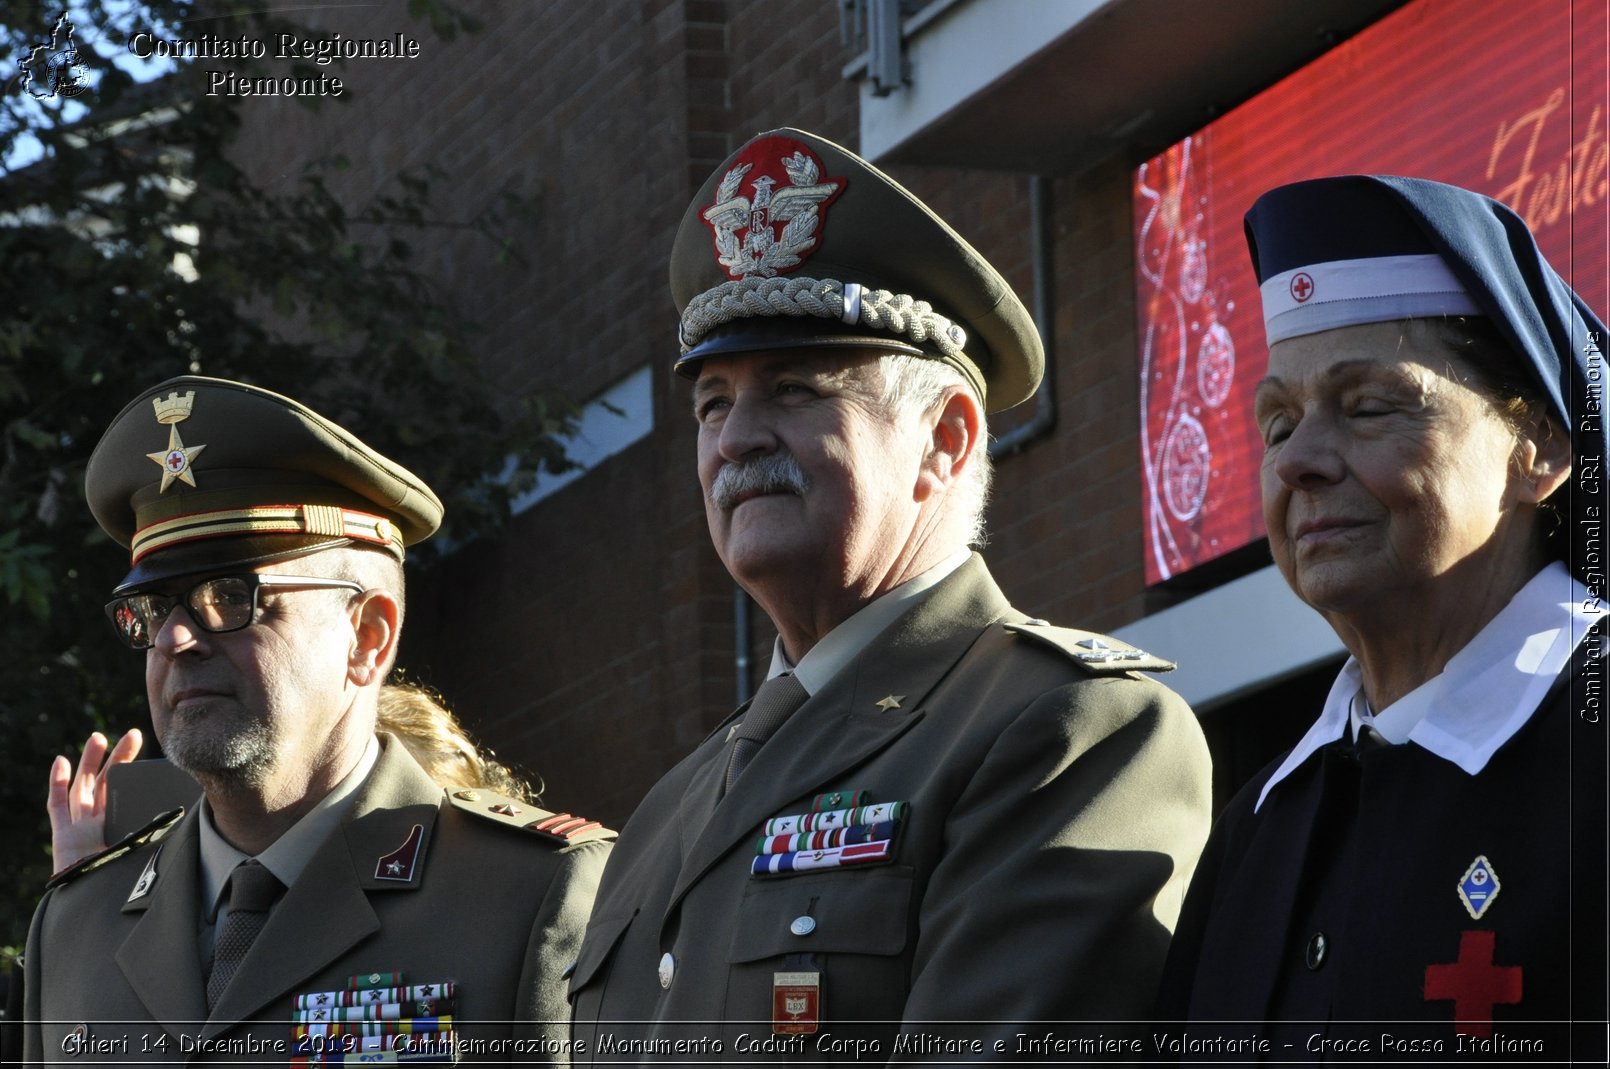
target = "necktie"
x: 776, y: 700
x: 252, y: 891
x: 1370, y: 739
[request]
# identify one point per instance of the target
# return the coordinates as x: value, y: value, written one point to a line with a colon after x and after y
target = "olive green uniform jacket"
x: 1057, y: 806
x: 496, y: 910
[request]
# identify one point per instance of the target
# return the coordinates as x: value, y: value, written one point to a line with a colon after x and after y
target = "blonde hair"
x: 435, y: 738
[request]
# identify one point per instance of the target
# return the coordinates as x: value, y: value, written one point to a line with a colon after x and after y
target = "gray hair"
x: 913, y: 385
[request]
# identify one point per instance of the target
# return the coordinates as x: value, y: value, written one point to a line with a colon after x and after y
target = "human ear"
x: 957, y: 433
x: 1543, y: 454
x: 374, y: 638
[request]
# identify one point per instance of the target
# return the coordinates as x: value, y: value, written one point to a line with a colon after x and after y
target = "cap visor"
x: 222, y: 554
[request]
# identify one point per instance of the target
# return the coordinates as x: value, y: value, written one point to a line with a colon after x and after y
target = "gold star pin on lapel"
x: 892, y: 701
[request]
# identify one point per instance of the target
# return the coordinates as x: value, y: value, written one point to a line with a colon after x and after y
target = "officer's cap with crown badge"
x: 798, y: 242
x: 199, y: 475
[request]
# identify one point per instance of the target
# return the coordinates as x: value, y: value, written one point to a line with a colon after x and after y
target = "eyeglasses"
x: 225, y: 603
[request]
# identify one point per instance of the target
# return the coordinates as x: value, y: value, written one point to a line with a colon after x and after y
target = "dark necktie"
x: 1370, y: 739
x: 775, y: 702
x: 252, y: 891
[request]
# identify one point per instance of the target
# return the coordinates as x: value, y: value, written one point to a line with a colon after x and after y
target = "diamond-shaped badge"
x: 1478, y: 887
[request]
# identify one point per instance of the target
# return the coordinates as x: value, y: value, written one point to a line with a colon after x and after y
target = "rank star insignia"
x: 1478, y: 887
x: 175, y: 460
x: 395, y: 867
x: 890, y: 701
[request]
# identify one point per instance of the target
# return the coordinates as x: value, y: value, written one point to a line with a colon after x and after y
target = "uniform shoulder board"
x: 563, y: 829
x: 1100, y: 655
x: 153, y: 832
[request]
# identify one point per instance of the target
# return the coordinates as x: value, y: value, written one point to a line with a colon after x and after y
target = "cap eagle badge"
x: 776, y: 228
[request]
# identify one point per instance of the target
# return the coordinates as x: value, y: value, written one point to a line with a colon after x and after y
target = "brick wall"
x: 593, y: 643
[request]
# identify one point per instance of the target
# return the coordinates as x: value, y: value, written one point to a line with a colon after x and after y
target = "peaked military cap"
x: 798, y: 242
x: 200, y: 474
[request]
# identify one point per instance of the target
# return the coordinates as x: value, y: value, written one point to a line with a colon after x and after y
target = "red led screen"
x: 1502, y: 97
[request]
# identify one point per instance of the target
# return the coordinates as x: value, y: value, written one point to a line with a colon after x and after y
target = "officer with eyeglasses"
x: 325, y: 899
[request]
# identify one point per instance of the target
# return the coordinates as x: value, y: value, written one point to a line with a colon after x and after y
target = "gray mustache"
x: 773, y: 473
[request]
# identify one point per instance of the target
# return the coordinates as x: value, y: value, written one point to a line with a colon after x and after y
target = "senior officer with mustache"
x: 938, y: 819
x: 326, y: 897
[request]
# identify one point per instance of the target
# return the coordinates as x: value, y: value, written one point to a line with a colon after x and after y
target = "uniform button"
x: 667, y: 970
x: 803, y: 925
x: 1318, y: 947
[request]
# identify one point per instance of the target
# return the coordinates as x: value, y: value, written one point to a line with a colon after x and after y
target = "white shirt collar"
x: 1485, y: 694
x: 288, y: 855
x: 840, y: 645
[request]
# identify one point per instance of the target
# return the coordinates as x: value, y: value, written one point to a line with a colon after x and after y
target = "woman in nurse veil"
x: 1427, y: 866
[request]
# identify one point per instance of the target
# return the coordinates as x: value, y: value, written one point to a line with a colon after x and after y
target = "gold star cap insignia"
x: 175, y: 460
x: 892, y: 701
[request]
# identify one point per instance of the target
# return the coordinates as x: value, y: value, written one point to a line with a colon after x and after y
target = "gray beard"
x: 225, y: 759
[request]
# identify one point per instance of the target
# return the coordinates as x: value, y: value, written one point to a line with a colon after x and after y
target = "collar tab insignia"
x: 148, y: 878
x: 398, y: 866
